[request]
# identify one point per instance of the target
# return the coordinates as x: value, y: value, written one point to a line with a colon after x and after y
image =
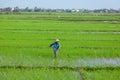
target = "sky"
x: 62, y: 4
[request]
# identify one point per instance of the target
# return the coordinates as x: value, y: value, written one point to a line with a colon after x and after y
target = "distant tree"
x: 27, y: 9
x: 68, y: 10
x: 0, y: 9
x: 8, y: 9
x: 37, y: 9
x: 48, y: 10
x: 16, y: 9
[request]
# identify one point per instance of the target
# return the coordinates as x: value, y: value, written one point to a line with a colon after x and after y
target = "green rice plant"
x: 104, y: 75
x: 38, y: 74
x: 25, y: 39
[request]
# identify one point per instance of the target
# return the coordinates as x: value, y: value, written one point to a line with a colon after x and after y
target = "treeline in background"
x: 10, y: 10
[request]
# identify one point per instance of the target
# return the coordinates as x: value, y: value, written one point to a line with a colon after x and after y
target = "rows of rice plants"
x: 57, y: 74
x: 63, y: 16
x: 29, y: 38
x: 38, y: 74
x: 104, y: 75
x: 25, y: 40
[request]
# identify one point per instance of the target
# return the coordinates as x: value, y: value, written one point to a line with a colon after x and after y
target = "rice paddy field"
x: 90, y: 46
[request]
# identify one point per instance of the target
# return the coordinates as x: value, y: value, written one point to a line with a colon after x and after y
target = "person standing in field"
x: 56, y: 47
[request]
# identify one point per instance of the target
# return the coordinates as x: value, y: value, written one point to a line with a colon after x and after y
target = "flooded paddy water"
x: 30, y: 61
x: 50, y: 68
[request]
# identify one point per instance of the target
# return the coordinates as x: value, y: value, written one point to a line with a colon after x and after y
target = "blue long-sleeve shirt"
x: 55, y: 45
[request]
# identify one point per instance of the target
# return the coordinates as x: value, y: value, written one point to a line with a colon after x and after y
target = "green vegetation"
x: 104, y: 75
x: 87, y: 40
x: 38, y: 74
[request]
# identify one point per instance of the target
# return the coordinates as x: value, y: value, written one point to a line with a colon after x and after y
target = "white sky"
x: 62, y: 4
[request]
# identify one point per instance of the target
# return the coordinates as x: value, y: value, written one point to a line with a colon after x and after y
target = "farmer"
x: 56, y: 47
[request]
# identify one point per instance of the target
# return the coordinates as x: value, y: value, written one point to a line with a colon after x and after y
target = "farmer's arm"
x: 51, y: 45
